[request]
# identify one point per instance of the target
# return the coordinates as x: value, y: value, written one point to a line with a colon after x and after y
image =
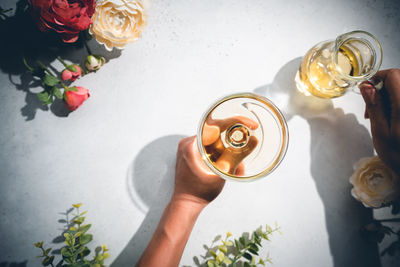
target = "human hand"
x: 383, y: 110
x: 194, y: 181
x: 227, y: 159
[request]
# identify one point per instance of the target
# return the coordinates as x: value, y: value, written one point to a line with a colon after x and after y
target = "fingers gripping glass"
x: 243, y: 137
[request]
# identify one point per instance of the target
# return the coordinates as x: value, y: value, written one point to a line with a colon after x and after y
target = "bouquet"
x: 112, y: 23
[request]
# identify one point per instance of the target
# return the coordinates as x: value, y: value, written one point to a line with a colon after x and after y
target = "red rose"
x: 67, y: 17
x: 69, y: 75
x: 73, y: 99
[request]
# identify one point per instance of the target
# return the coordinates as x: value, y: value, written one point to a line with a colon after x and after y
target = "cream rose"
x: 374, y: 183
x: 117, y: 22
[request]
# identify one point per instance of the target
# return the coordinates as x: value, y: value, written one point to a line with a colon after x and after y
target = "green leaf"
x: 47, y: 261
x: 47, y: 251
x: 213, y: 253
x: 78, y: 234
x: 252, y: 251
x: 227, y: 260
x: 220, y: 257
x: 255, y: 235
x: 248, y: 256
x: 246, y: 264
x: 86, y: 252
x: 72, y: 68
x: 38, y: 244
x: 79, y: 220
x: 50, y: 80
x: 80, y: 249
x: 223, y: 248
x: 65, y: 252
x: 73, y: 88
x: 86, y: 238
x: 210, y: 263
x: 253, y: 246
x: 85, y: 228
x: 242, y: 241
x: 43, y: 96
x: 57, y: 92
x: 237, y: 245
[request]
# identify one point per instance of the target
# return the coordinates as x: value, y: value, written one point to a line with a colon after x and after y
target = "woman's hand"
x: 193, y: 179
x: 195, y: 186
x: 383, y: 110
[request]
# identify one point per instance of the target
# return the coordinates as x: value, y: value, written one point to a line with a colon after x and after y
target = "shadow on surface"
x: 22, y: 38
x: 13, y: 264
x: 150, y: 182
x: 337, y: 142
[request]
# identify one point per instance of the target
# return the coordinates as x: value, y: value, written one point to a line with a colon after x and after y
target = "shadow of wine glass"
x: 150, y: 182
x: 337, y: 142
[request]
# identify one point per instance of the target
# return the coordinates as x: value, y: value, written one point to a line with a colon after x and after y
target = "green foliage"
x: 235, y: 252
x: 53, y: 87
x: 75, y: 251
x: 376, y: 231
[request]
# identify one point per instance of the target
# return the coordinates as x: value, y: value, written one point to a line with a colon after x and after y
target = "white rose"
x: 374, y: 184
x: 117, y: 22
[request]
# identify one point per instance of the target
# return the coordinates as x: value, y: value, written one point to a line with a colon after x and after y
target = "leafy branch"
x: 51, y: 83
x: 243, y: 251
x: 75, y: 251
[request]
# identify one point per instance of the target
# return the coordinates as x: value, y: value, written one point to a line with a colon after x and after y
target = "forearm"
x: 172, y: 233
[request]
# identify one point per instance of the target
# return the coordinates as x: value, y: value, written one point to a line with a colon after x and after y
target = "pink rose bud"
x: 71, y: 73
x: 73, y: 99
x: 66, y: 75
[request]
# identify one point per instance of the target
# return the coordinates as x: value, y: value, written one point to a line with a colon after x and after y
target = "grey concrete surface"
x: 116, y: 153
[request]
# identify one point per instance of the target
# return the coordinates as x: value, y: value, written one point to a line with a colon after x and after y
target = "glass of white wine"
x: 331, y: 67
x: 243, y: 137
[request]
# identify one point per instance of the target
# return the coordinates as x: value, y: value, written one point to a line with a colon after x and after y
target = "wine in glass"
x: 331, y: 67
x: 243, y: 137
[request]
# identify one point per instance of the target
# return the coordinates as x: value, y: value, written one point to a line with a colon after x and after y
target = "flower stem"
x: 62, y: 62
x: 44, y: 67
x: 27, y: 65
x: 65, y: 88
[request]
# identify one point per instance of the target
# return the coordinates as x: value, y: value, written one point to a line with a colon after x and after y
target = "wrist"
x: 188, y: 202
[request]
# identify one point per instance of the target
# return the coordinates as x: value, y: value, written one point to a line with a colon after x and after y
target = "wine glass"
x: 331, y: 67
x: 243, y: 137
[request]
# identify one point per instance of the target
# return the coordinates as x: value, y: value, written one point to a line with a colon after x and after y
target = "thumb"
x: 376, y: 110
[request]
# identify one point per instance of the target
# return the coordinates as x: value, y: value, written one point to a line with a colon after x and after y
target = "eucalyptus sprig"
x: 243, y: 251
x: 47, y: 260
x: 75, y: 251
x: 376, y: 231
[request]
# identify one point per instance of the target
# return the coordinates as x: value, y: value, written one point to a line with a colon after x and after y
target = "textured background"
x: 116, y: 153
